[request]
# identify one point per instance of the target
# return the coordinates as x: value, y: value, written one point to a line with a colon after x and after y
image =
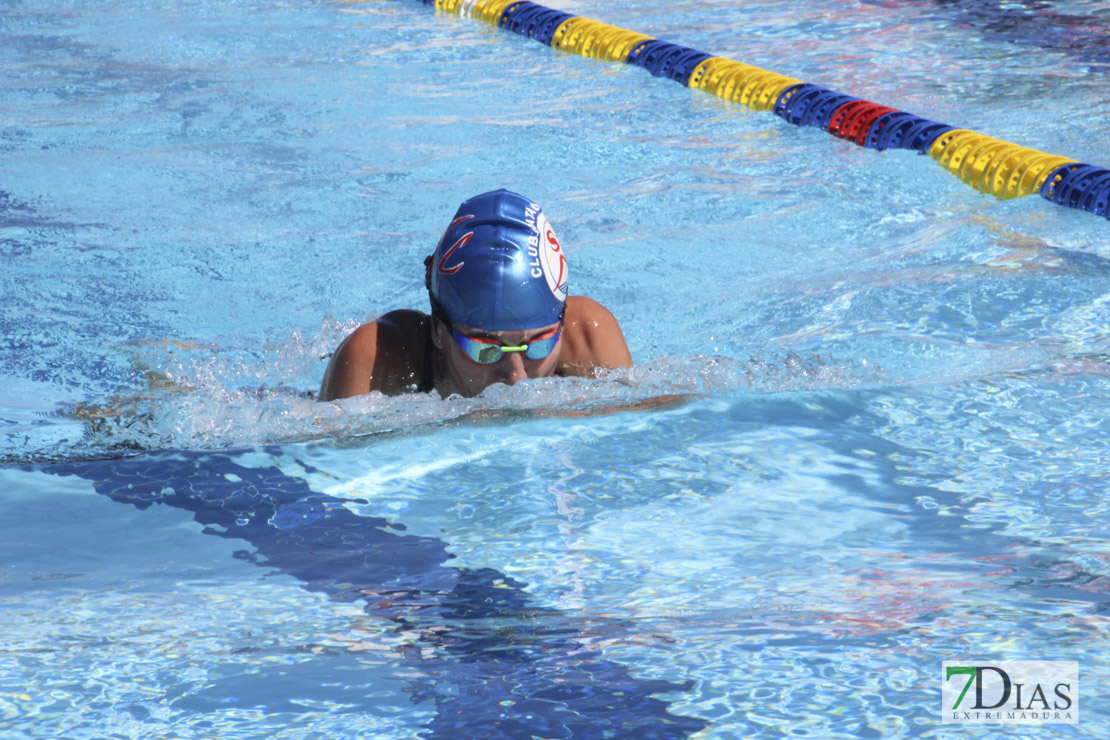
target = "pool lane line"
x: 989, y: 165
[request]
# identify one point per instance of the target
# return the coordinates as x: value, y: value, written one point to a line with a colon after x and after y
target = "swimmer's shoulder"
x: 592, y: 338
x: 398, y: 335
x: 404, y: 324
x: 385, y: 355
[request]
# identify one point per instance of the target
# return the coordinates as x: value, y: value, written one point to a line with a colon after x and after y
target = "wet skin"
x: 387, y: 355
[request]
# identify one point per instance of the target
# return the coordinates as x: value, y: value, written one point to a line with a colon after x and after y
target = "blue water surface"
x: 866, y: 432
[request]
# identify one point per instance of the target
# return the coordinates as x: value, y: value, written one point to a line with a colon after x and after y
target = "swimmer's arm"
x: 372, y: 358
x: 593, y: 339
x: 648, y: 404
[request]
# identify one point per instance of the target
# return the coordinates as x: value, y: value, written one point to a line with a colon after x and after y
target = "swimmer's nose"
x: 511, y: 368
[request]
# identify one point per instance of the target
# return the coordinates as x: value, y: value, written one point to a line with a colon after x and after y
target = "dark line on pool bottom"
x: 502, y: 668
x: 1035, y: 23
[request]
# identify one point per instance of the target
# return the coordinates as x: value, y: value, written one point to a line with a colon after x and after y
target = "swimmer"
x: 500, y: 313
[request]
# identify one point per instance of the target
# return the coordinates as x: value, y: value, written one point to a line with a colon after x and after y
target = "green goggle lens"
x: 486, y: 353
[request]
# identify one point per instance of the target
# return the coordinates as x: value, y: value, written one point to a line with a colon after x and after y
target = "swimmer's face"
x: 469, y: 378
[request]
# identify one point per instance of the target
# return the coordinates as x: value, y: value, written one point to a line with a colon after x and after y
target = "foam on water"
x: 204, y: 396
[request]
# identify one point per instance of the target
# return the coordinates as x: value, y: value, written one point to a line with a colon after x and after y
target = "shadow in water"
x: 1036, y: 23
x: 500, y: 667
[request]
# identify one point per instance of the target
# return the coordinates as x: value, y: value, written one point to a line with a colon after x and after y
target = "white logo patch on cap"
x: 552, y: 261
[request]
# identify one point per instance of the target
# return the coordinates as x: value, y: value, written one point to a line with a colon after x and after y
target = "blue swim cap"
x: 499, y: 266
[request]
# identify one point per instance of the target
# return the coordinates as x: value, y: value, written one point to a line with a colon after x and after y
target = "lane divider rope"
x: 989, y: 165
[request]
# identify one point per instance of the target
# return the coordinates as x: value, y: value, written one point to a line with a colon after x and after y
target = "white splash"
x: 202, y: 396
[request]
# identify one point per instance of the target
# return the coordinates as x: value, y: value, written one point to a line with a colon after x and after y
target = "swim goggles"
x: 488, y: 351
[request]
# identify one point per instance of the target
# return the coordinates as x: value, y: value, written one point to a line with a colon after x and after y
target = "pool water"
x: 866, y: 432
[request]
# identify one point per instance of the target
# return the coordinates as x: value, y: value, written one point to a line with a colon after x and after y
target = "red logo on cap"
x: 460, y: 243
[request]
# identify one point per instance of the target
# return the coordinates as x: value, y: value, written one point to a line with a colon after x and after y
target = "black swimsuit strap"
x: 427, y: 381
